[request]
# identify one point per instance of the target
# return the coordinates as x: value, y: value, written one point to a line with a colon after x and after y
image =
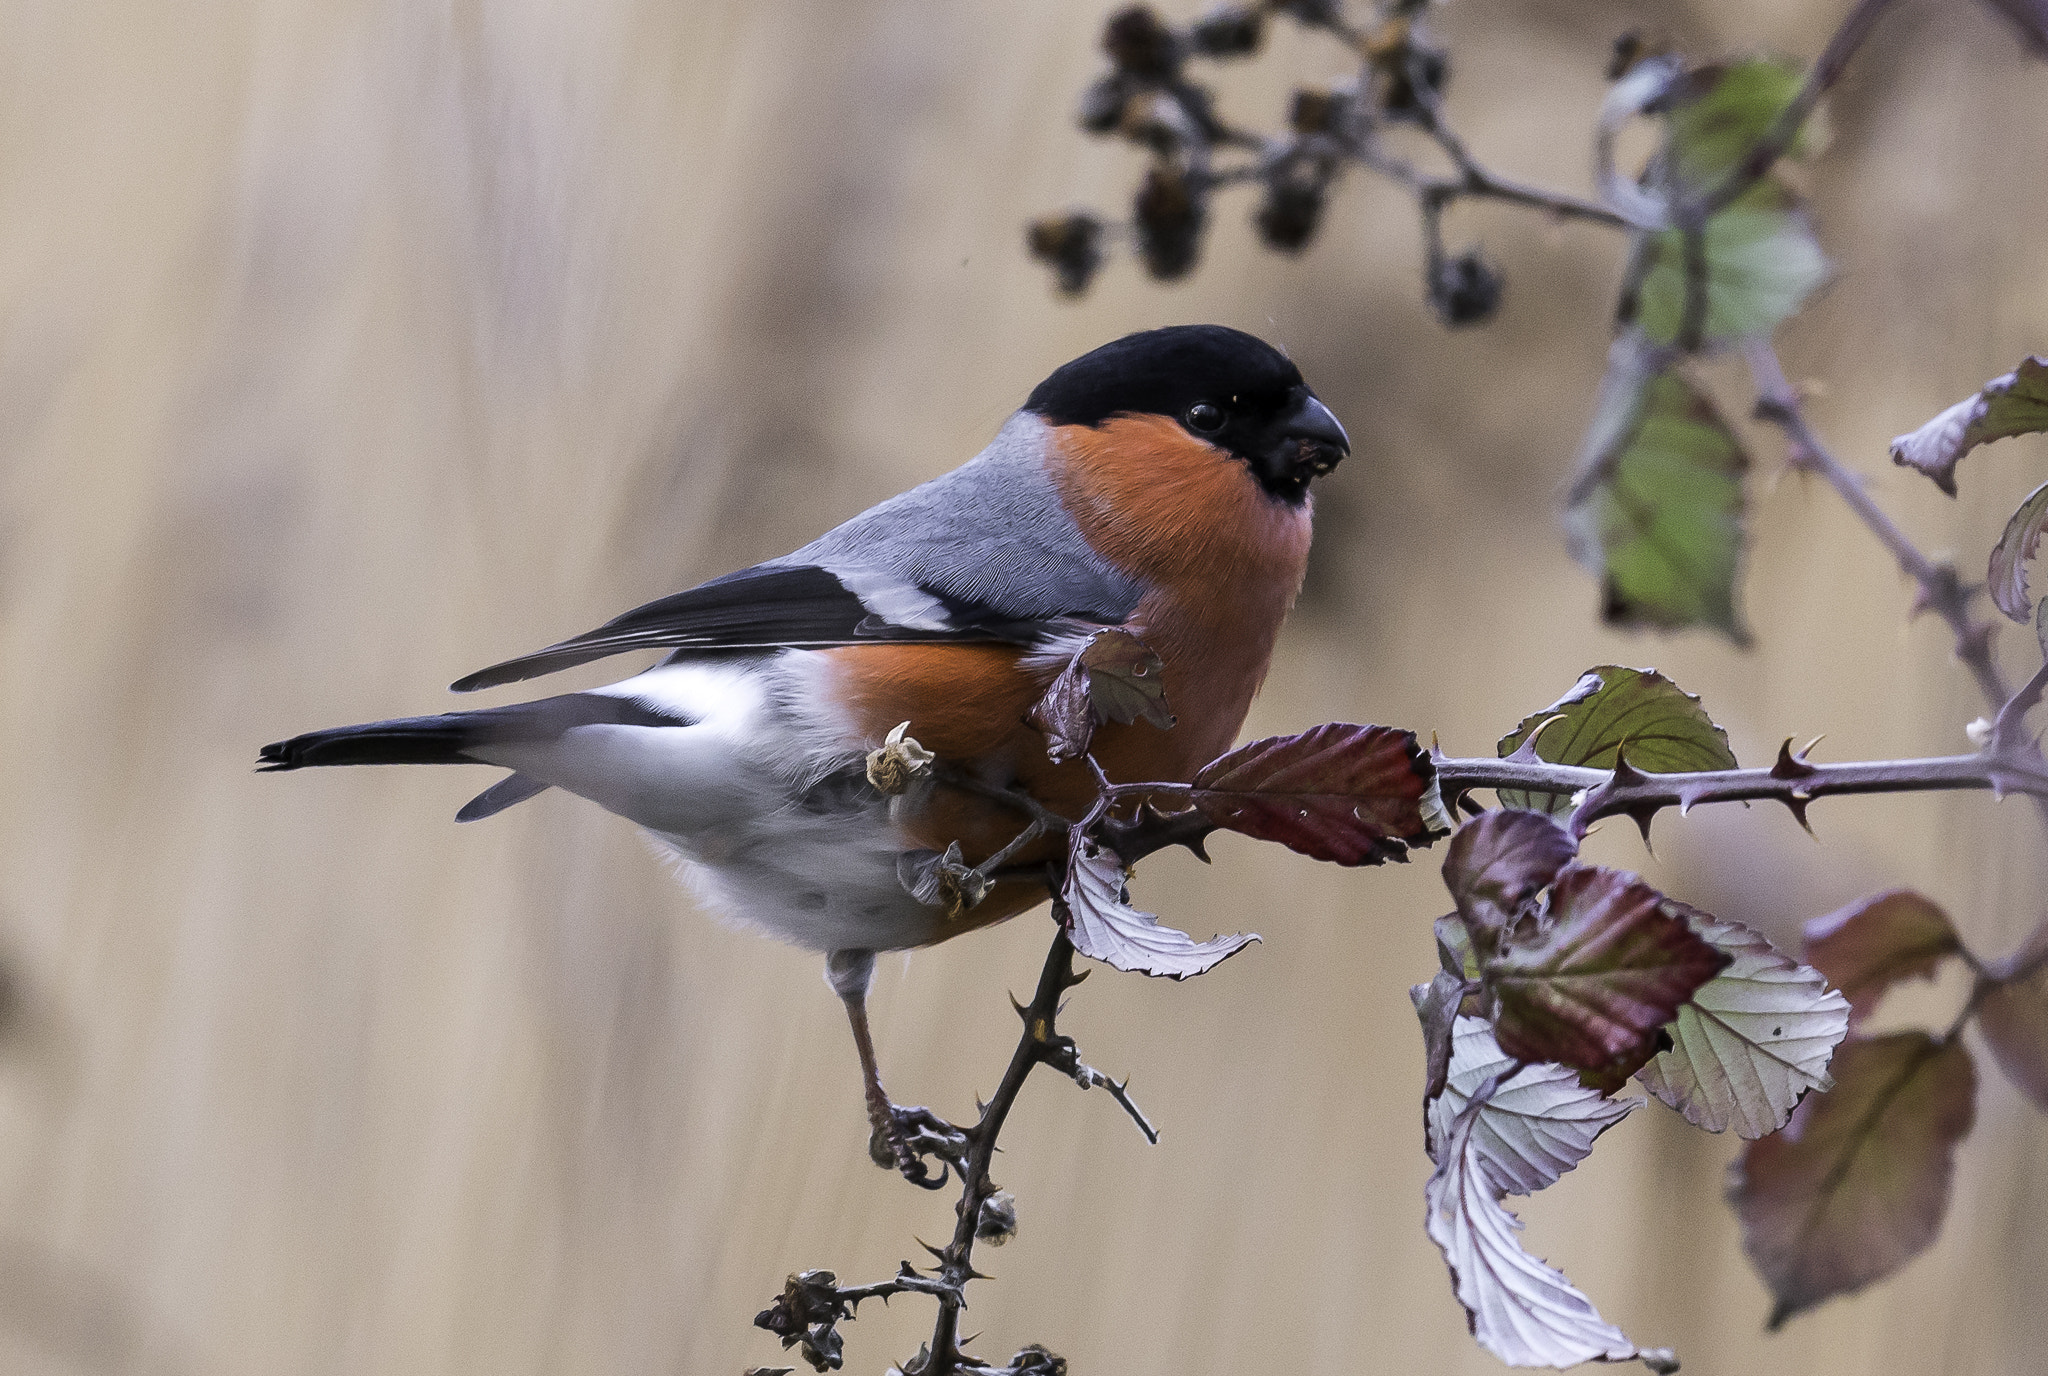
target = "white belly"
x: 762, y: 797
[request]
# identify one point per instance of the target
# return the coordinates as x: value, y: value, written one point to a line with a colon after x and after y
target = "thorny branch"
x: 813, y: 1303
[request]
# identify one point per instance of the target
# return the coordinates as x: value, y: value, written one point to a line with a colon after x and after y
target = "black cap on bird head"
x: 1223, y: 386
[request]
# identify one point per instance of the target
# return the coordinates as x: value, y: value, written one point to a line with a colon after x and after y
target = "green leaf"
x: 1752, y: 1040
x: 1715, y: 114
x: 2013, y: 404
x: 1656, y: 511
x: 1857, y: 1183
x: 1665, y: 728
x: 1759, y: 262
x: 2007, y: 576
x: 1873, y: 943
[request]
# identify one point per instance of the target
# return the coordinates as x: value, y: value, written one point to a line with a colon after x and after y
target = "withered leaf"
x: 1875, y: 942
x: 1656, y: 507
x: 1522, y: 1311
x: 1664, y: 727
x: 2014, y: 1020
x: 1105, y: 927
x: 1114, y: 677
x: 1857, y: 1183
x: 2007, y: 576
x: 1540, y: 1122
x: 1752, y: 1040
x: 1592, y: 987
x: 2013, y: 404
x: 1436, y: 1007
x: 1353, y: 795
x: 1496, y: 864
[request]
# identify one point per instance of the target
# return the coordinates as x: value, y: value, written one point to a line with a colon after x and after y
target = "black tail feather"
x: 408, y: 740
x: 445, y: 739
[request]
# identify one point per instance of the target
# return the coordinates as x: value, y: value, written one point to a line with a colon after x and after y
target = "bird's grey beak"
x: 1307, y: 442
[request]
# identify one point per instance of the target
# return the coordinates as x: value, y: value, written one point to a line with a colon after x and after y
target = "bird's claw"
x: 903, y: 1137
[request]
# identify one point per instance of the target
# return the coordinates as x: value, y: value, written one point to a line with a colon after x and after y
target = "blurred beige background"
x: 347, y: 346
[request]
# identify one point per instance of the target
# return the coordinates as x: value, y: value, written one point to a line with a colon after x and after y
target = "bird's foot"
x: 903, y: 1137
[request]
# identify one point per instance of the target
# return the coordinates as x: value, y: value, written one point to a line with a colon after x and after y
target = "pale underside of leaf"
x: 2013, y: 404
x: 1522, y: 1311
x: 1539, y: 1123
x: 1752, y: 1041
x: 1105, y: 927
x: 2006, y: 577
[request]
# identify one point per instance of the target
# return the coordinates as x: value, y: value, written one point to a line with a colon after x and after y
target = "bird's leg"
x: 899, y: 1136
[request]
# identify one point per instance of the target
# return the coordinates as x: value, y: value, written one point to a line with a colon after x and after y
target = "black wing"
x: 767, y: 607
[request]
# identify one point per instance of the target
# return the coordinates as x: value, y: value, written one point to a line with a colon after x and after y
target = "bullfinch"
x: 1159, y: 484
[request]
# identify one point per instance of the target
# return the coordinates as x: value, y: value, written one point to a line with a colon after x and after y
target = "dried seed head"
x: 997, y: 1221
x: 1169, y: 217
x: 1139, y: 43
x: 899, y: 763
x: 1231, y: 31
x: 1465, y: 290
x: 1071, y: 245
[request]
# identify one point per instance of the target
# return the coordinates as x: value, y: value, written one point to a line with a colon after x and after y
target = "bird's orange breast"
x: 1221, y: 562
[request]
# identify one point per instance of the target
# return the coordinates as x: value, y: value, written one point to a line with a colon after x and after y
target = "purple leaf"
x: 1875, y: 942
x: 1354, y: 795
x: 1497, y: 863
x: 1857, y: 1183
x: 2014, y: 1020
x: 1114, y: 677
x: 1752, y: 1040
x: 2007, y: 578
x: 1105, y: 927
x: 1521, y: 1311
x: 1593, y: 986
x: 2015, y: 404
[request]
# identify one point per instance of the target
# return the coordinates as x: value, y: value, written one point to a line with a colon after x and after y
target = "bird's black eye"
x: 1205, y: 418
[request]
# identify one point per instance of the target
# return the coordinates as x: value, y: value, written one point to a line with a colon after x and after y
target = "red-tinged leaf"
x: 1875, y: 942
x: 1520, y: 1310
x: 2014, y: 1020
x: 1497, y: 864
x: 2030, y: 18
x: 1592, y: 987
x: 1105, y: 927
x: 2007, y: 575
x: 1354, y: 795
x: 1752, y: 1041
x: 1114, y: 677
x: 2015, y: 404
x: 1857, y: 1183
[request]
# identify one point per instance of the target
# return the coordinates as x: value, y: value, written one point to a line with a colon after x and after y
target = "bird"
x: 1158, y: 485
